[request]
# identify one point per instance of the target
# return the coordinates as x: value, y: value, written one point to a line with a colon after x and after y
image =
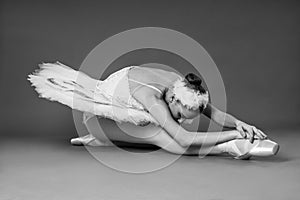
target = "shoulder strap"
x: 150, y: 86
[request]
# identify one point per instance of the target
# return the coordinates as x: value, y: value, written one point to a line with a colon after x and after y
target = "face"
x: 180, y: 112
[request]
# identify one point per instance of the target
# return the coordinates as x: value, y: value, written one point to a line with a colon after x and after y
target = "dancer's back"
x: 145, y: 81
x: 153, y: 75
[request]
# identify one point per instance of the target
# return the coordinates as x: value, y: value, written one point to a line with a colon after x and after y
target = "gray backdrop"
x: 255, y: 44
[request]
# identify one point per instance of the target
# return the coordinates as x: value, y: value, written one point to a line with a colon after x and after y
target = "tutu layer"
x: 109, y: 98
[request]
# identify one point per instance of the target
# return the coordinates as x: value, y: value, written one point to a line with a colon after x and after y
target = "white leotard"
x: 147, y: 85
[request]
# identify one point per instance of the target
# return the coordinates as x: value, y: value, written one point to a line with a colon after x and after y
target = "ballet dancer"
x: 154, y: 99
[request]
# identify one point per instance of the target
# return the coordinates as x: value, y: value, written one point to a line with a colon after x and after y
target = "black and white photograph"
x: 146, y: 100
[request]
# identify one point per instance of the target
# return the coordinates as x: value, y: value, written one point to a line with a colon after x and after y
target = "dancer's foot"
x: 88, y: 140
x: 243, y: 149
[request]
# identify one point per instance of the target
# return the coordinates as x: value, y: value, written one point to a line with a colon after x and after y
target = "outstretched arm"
x: 228, y: 121
x: 160, y: 111
x: 220, y: 117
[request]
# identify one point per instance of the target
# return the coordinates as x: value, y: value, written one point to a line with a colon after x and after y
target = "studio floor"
x: 36, y: 168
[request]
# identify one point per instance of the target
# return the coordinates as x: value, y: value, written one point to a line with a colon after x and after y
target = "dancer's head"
x: 186, y: 98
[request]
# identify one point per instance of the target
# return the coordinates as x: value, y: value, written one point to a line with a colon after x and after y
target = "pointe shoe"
x: 264, y: 148
x: 87, y: 140
x: 243, y: 149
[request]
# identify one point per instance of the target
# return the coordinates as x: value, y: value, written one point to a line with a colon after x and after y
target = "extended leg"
x: 239, y: 149
x: 166, y: 142
x: 92, y: 125
x: 155, y: 135
x: 149, y: 134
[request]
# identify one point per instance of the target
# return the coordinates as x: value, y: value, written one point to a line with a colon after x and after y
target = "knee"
x: 86, y: 117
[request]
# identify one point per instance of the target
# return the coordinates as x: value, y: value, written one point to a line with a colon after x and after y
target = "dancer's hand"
x: 249, y: 132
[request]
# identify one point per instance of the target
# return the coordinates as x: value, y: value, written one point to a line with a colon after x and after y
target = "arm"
x: 160, y: 111
x: 221, y: 118
x: 228, y: 121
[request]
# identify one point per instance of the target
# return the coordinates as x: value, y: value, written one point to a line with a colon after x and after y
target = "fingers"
x: 240, y: 129
x: 250, y: 133
x: 251, y: 139
x: 259, y: 134
x: 256, y: 132
x: 263, y: 134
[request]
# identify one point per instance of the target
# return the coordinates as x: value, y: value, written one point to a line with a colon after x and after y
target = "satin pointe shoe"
x: 88, y: 140
x: 243, y: 149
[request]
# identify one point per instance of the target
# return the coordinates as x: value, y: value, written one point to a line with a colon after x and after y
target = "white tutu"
x: 110, y: 98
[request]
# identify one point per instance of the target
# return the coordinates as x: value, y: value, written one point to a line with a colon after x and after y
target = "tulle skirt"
x: 116, y: 89
x: 110, y: 98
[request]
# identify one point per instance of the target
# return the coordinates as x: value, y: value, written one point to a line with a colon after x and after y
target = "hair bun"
x: 193, y: 79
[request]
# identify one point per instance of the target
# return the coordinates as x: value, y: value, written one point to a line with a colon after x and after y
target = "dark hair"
x: 195, y: 82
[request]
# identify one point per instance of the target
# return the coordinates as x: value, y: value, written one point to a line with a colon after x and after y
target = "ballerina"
x: 155, y: 99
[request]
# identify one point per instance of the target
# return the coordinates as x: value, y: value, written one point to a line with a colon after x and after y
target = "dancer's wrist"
x: 237, y: 123
x: 237, y: 135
